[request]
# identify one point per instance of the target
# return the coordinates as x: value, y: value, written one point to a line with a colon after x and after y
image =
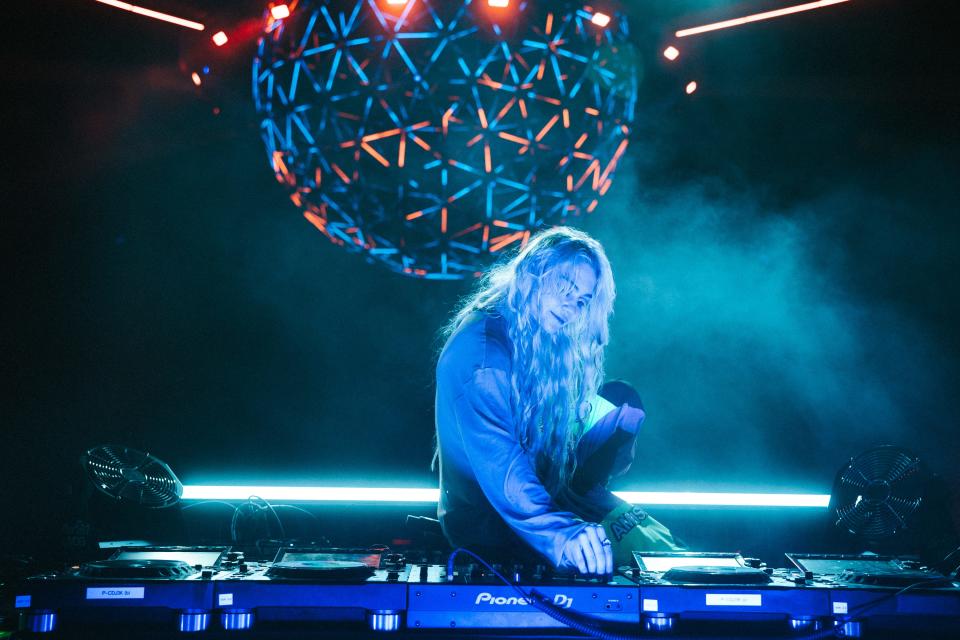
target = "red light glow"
x: 156, y: 15
x: 196, y: 78
x: 691, y: 87
x: 671, y: 53
x: 280, y: 11
x: 766, y: 15
x: 600, y: 19
x: 219, y: 38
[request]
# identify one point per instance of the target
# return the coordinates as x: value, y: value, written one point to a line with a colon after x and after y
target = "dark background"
x: 784, y: 242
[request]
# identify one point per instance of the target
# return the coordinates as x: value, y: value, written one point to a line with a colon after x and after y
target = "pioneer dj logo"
x: 559, y: 600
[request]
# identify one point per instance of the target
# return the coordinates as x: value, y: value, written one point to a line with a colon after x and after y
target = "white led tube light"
x: 394, y: 494
x: 757, y: 17
x: 156, y: 15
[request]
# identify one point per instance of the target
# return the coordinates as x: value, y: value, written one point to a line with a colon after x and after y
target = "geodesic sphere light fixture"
x: 432, y: 135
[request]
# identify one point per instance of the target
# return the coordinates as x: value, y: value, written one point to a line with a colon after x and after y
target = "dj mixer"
x: 215, y: 589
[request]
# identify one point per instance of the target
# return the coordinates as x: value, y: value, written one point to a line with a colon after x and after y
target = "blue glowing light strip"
x: 393, y: 494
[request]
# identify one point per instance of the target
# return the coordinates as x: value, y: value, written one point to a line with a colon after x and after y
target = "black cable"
x: 296, y: 508
x: 252, y: 501
x: 236, y: 517
x: 541, y: 602
x: 283, y: 534
x: 203, y: 502
x: 945, y: 564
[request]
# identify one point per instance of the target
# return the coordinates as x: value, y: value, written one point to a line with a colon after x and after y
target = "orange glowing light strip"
x: 501, y: 241
x: 489, y: 82
x: 549, y: 23
x: 315, y: 220
x: 402, y: 153
x: 149, y: 13
x: 552, y: 121
x: 483, y: 118
x: 383, y: 134
x: 445, y: 120
x: 613, y: 161
x: 505, y: 109
x: 420, y: 142
x: 487, y: 162
x: 443, y: 220
x: 340, y: 173
x: 766, y: 15
x: 512, y: 138
x: 278, y: 164
x: 467, y: 230
x: 373, y: 152
x: 594, y: 168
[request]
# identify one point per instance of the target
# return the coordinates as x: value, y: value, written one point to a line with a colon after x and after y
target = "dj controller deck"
x: 215, y: 590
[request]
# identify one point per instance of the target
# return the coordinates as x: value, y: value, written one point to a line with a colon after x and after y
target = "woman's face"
x: 559, y: 306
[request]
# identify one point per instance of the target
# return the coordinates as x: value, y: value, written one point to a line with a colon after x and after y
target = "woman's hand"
x: 590, y: 551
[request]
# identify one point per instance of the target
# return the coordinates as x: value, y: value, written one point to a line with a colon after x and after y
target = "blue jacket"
x: 490, y: 494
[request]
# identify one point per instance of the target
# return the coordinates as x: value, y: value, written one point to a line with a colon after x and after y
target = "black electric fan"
x: 134, y: 476
x: 877, y: 493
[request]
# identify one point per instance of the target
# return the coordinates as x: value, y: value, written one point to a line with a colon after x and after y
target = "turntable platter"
x: 136, y: 569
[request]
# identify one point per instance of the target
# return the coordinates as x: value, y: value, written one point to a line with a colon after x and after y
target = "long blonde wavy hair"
x: 552, y: 376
